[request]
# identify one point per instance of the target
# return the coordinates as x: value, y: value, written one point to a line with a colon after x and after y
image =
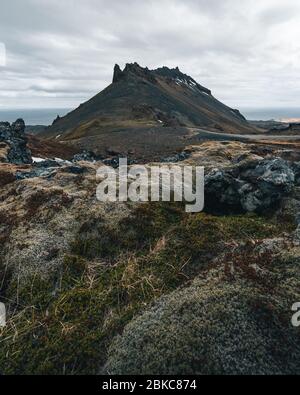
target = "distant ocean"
x: 46, y: 116
x: 35, y: 116
x: 266, y: 114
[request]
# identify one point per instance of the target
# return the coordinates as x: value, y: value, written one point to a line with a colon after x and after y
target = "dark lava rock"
x: 87, y: 156
x: 48, y: 163
x: 114, y: 161
x: 18, y: 126
x: 47, y: 169
x: 14, y: 136
x: 74, y: 170
x: 131, y: 71
x: 177, y: 157
x: 254, y: 186
x: 39, y: 172
x: 118, y: 74
x: 111, y: 162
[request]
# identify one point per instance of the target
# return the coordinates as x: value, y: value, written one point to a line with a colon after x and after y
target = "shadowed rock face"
x: 118, y: 74
x: 250, y: 186
x: 162, y: 98
x: 14, y: 138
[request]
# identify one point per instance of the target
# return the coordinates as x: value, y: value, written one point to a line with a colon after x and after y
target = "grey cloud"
x: 59, y: 53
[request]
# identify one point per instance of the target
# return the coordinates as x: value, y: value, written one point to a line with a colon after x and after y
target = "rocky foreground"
x: 130, y: 288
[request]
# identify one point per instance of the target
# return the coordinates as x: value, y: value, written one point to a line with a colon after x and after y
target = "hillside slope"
x: 140, y: 99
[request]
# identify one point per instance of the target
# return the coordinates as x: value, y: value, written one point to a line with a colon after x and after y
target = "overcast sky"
x: 61, y: 52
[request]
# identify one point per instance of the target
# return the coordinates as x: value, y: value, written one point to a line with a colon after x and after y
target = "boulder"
x: 87, y: 156
x: 74, y: 170
x: 13, y: 136
x: 213, y: 327
x: 249, y: 186
x: 177, y: 157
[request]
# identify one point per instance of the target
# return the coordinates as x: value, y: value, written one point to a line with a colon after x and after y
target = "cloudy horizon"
x: 61, y: 53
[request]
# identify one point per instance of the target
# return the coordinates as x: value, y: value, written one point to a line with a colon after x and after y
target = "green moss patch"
x: 65, y: 324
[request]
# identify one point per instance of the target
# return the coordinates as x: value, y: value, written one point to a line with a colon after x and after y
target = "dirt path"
x: 205, y: 134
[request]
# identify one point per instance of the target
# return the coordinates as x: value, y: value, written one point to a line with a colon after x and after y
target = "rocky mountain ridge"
x: 141, y: 102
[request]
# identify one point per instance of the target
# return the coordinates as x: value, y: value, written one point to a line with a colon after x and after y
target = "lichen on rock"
x: 14, y: 137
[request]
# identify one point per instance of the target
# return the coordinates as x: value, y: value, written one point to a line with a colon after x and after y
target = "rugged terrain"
x: 132, y: 288
x: 286, y: 128
x: 147, y: 111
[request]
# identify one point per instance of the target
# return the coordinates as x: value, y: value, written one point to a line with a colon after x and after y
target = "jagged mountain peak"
x: 134, y: 70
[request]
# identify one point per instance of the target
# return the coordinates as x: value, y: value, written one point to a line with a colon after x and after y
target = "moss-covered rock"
x: 64, y: 323
x: 211, y: 327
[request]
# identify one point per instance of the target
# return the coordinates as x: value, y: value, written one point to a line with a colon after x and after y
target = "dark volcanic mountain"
x: 158, y: 103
